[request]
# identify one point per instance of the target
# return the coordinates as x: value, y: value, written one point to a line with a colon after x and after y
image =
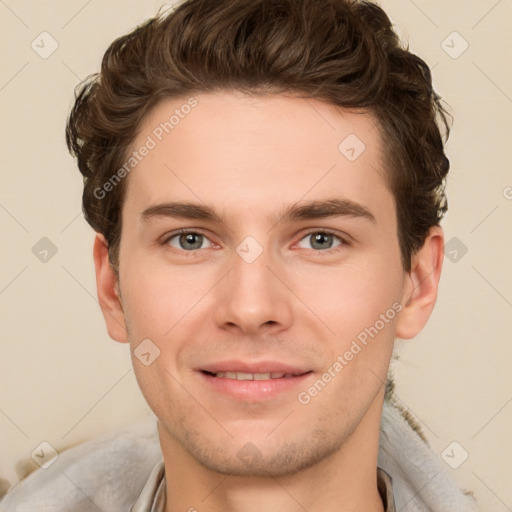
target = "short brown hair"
x: 344, y: 52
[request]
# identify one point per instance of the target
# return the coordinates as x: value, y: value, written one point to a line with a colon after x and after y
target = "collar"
x: 152, y: 497
x: 385, y: 486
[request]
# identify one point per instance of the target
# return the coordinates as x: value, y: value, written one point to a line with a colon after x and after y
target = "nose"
x: 253, y: 298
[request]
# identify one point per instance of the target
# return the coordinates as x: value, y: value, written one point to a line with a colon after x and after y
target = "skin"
x: 249, y: 158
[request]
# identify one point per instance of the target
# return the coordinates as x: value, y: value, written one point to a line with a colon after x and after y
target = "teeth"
x: 261, y: 376
x: 252, y: 376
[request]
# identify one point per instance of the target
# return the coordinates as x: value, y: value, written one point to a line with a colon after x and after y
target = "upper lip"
x: 253, y: 367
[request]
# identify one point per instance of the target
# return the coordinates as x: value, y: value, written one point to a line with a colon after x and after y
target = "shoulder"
x: 105, y: 473
x: 420, y: 480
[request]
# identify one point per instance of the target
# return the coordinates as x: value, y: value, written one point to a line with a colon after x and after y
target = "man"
x: 266, y: 180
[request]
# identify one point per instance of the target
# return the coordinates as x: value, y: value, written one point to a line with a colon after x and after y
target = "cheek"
x: 157, y: 297
x: 360, y: 304
x: 351, y: 297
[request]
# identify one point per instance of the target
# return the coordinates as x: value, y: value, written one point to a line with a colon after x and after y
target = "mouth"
x: 253, y: 382
x: 237, y: 375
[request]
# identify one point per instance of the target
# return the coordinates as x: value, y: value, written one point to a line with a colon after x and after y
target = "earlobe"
x: 420, y: 292
x: 108, y: 291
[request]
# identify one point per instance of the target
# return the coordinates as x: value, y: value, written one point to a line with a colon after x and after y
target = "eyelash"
x: 344, y: 240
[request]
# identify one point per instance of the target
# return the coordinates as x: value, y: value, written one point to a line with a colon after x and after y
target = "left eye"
x: 188, y: 241
x: 320, y: 240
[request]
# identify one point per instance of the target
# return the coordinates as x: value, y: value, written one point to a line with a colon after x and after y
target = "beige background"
x: 63, y: 380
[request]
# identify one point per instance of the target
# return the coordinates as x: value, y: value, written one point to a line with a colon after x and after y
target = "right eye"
x: 187, y: 240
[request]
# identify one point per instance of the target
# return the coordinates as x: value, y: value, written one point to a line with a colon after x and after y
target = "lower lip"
x: 255, y: 390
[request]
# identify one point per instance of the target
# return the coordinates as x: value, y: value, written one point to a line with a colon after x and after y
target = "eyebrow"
x: 306, y: 211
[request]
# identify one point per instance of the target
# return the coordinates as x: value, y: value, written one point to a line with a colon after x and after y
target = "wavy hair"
x: 344, y: 52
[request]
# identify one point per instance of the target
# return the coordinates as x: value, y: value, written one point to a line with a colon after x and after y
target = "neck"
x: 345, y: 480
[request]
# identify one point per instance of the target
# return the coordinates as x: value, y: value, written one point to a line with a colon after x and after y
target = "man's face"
x: 254, y: 290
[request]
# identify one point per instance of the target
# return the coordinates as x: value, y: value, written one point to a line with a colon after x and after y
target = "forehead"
x: 255, y: 152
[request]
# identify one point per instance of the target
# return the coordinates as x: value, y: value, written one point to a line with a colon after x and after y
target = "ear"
x: 420, y: 291
x: 108, y: 291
